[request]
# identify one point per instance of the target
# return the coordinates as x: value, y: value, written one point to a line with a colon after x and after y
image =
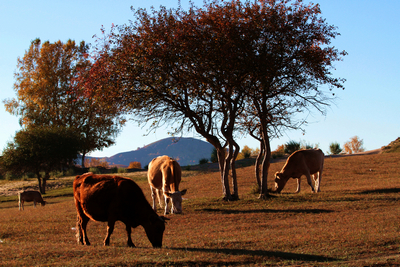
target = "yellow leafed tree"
x: 355, y: 145
x: 135, y: 165
x: 49, y: 82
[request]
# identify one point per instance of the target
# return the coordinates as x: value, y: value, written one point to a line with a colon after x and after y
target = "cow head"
x: 280, y: 181
x: 176, y: 199
x: 155, y: 230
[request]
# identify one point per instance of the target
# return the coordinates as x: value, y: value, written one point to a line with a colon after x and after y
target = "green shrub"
x: 305, y: 145
x: 94, y: 170
x: 203, y: 161
x: 10, y: 176
x: 334, y: 148
x: 279, y: 152
x: 122, y: 170
x: 70, y: 172
x: 214, y: 156
x: 246, y: 152
x: 291, y: 147
x: 56, y: 174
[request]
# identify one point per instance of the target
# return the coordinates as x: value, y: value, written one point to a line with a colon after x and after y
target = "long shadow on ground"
x: 272, y: 255
x: 382, y: 191
x: 227, y: 211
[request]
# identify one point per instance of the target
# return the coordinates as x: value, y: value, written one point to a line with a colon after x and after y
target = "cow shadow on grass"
x: 306, y: 211
x: 273, y: 255
x: 382, y: 191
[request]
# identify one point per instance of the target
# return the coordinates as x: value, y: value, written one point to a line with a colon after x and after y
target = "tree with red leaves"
x: 223, y: 69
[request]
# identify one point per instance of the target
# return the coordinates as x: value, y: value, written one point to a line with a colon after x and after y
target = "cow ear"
x: 277, y: 175
x: 168, y: 194
x: 183, y: 192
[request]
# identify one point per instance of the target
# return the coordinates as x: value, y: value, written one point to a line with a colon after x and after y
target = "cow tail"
x: 174, y: 178
x: 176, y: 175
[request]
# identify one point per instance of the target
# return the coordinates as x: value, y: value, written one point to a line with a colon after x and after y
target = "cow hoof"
x: 131, y: 245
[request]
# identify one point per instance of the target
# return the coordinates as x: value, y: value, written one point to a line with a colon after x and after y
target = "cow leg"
x: 166, y: 211
x: 128, y: 232
x: 298, y: 185
x: 153, y: 196
x: 81, y: 234
x: 81, y: 223
x: 159, y: 196
x: 21, y: 204
x: 309, y: 181
x: 318, y: 181
x: 110, y: 229
x: 34, y: 203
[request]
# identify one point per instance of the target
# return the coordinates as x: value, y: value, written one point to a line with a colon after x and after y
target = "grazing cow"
x: 30, y: 196
x: 302, y: 162
x: 107, y: 198
x: 164, y: 176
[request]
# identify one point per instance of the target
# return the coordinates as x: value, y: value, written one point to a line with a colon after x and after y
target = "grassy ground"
x: 354, y: 221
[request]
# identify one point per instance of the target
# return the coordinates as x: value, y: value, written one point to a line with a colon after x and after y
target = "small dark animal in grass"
x: 109, y: 199
x: 30, y: 196
x: 308, y: 162
x: 164, y: 176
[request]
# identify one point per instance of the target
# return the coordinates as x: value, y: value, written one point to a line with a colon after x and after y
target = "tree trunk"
x: 45, y: 178
x: 235, y: 194
x: 258, y: 164
x: 224, y: 169
x: 265, y: 167
x: 83, y: 160
x: 39, y: 182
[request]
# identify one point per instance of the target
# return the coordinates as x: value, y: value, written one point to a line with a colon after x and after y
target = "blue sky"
x: 370, y: 33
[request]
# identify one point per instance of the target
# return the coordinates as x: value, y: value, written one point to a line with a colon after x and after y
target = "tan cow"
x: 107, y: 198
x: 30, y: 196
x: 309, y: 162
x: 164, y: 176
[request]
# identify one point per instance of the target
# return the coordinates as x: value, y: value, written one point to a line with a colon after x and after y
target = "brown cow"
x: 164, y: 176
x: 302, y: 162
x: 30, y: 196
x: 109, y: 199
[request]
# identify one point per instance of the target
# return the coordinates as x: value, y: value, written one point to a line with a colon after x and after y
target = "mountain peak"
x: 186, y: 150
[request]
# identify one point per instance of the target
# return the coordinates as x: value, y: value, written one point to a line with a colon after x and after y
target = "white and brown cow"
x: 30, y: 196
x: 107, y: 198
x: 308, y: 162
x: 164, y: 175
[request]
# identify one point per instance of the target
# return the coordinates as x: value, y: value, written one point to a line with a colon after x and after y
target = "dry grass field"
x: 354, y: 221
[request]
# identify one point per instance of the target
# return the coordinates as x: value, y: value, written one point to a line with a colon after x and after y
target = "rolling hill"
x: 187, y: 151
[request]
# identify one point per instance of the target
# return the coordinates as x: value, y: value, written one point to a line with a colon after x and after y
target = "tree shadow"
x: 382, y: 191
x: 278, y: 255
x: 309, y: 211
